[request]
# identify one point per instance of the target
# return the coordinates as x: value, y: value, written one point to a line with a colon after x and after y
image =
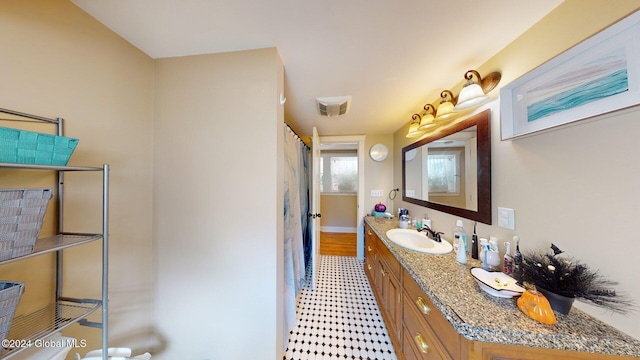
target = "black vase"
x: 559, y: 303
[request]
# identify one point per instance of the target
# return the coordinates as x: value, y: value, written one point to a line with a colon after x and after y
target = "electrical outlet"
x: 506, y: 218
x: 376, y: 193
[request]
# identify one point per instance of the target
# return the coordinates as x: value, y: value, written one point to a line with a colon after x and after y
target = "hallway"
x: 340, y: 319
x: 340, y: 244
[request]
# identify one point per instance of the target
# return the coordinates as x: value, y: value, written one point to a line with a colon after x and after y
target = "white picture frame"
x: 597, y: 76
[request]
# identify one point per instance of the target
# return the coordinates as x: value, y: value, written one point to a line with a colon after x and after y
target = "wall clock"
x: 378, y: 152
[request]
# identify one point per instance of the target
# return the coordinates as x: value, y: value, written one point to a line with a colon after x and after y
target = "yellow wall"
x: 379, y: 174
x: 339, y: 213
x: 57, y: 61
x: 218, y: 219
x: 570, y: 186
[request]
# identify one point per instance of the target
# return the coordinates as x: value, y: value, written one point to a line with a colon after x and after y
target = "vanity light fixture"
x: 445, y: 110
x: 475, y: 93
x: 426, y: 122
x: 414, y: 128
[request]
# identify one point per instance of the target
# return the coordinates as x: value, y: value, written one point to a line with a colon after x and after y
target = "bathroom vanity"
x: 433, y: 309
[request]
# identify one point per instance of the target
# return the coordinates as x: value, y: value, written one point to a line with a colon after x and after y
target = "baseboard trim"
x: 338, y: 229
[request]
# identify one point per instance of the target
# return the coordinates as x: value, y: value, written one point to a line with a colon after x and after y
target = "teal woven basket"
x: 28, y: 147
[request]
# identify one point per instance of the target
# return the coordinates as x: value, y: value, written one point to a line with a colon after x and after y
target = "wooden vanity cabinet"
x: 418, y: 330
x: 369, y: 254
x: 422, y: 318
x: 419, y: 342
x: 383, y: 271
x: 390, y: 288
x: 424, y: 328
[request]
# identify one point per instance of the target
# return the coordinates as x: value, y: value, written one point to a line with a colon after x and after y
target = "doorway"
x: 341, y: 231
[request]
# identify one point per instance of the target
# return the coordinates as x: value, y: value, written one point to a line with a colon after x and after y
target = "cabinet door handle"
x: 369, y: 266
x: 423, y: 306
x: 422, y: 345
x: 369, y: 233
x: 384, y: 273
x: 369, y: 248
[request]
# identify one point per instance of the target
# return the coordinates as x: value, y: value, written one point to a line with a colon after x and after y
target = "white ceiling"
x: 391, y: 56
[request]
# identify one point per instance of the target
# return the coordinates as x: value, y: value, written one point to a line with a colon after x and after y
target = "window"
x: 339, y: 172
x: 443, y: 170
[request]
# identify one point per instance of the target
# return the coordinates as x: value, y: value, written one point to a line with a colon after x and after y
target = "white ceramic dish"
x: 496, y: 283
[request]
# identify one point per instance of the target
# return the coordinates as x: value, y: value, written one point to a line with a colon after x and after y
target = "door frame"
x: 359, y: 139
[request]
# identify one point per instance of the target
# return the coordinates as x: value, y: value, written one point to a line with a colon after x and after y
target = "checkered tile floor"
x: 340, y: 319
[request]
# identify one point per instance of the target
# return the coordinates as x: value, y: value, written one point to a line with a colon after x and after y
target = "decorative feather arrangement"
x: 571, y: 278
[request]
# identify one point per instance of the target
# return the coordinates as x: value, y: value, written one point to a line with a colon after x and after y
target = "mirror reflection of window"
x: 444, y: 173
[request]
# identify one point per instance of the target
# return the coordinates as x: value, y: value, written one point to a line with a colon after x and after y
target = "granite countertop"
x: 479, y: 316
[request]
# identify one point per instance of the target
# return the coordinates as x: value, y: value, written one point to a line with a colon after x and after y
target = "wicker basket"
x: 10, y: 293
x: 21, y: 215
x: 28, y: 147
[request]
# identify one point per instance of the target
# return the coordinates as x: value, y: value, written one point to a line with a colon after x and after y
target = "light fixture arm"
x: 416, y: 118
x: 448, y: 93
x: 429, y: 109
x: 487, y: 83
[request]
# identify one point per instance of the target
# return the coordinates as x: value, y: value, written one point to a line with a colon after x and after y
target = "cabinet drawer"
x: 387, y: 256
x: 369, y: 240
x: 418, y: 340
x: 424, y: 308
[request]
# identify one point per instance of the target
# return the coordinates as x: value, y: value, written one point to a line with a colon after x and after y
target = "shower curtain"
x: 296, y: 232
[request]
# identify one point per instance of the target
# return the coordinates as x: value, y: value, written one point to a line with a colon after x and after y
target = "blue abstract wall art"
x: 602, y: 78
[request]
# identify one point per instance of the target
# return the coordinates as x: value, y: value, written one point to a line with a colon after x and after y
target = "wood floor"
x: 340, y: 244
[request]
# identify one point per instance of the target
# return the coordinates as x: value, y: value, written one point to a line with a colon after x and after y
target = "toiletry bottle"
x: 483, y: 248
x: 493, y: 243
x: 493, y: 258
x: 508, y: 259
x: 404, y: 222
x: 461, y: 255
x: 459, y: 235
x: 485, y: 251
x: 426, y: 221
x: 461, y: 238
x: 474, y: 242
x: 517, y: 260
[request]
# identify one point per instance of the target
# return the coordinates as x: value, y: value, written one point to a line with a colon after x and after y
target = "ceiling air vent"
x: 333, y: 106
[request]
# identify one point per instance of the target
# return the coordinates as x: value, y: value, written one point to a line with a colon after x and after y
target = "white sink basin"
x: 418, y: 241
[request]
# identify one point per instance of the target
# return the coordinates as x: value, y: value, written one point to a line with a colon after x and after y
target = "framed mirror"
x: 450, y: 170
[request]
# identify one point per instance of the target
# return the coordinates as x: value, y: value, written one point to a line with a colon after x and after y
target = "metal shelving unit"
x: 65, y: 311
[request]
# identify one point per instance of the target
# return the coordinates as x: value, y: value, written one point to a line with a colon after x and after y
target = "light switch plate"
x: 376, y: 192
x: 506, y: 218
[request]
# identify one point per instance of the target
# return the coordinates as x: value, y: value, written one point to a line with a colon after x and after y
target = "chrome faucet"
x: 434, y: 235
